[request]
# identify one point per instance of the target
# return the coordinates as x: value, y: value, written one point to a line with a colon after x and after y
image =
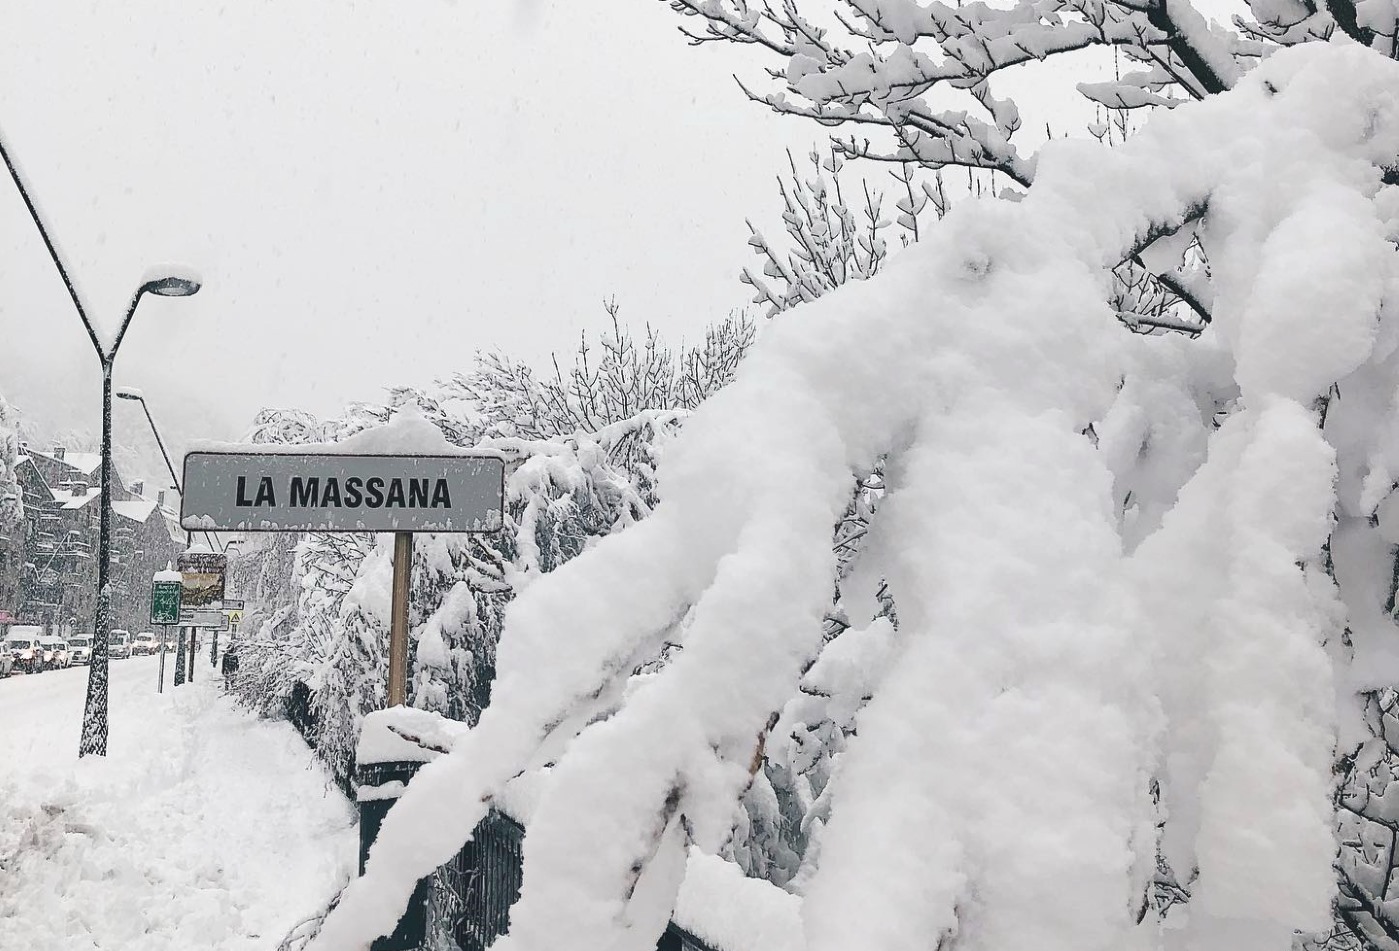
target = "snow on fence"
x: 469, y: 897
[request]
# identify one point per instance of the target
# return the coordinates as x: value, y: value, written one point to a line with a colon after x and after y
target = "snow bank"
x: 1000, y: 786
x: 203, y: 827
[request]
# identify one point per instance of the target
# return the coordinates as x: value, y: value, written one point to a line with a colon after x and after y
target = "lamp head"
x: 129, y: 393
x: 171, y: 287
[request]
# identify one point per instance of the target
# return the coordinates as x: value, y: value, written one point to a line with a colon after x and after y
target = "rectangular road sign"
x: 233, y: 604
x: 280, y: 492
x: 192, y: 617
x: 165, y: 602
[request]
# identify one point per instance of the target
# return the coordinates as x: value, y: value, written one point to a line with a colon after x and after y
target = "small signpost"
x: 202, y: 605
x: 403, y: 494
x: 328, y: 492
x: 167, y: 587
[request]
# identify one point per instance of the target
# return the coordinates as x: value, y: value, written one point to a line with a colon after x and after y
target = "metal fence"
x: 472, y: 894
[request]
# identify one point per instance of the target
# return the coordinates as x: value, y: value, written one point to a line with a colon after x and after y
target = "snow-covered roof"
x: 138, y: 510
x: 74, y: 502
x: 85, y: 462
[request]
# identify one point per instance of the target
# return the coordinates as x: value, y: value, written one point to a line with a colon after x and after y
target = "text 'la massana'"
x: 350, y: 493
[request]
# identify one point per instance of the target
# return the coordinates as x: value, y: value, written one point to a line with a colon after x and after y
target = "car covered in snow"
x: 80, y: 650
x: 118, y: 644
x: 25, y: 651
x: 145, y: 643
x: 55, y: 651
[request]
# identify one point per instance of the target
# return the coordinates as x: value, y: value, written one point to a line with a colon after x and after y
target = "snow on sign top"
x: 339, y: 492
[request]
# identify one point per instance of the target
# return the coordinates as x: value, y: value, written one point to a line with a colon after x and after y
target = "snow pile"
x: 202, y: 827
x: 1057, y: 660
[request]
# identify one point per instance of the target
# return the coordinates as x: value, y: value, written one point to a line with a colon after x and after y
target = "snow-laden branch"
x: 999, y: 785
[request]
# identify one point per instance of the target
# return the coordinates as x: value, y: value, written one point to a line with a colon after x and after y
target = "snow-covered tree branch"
x: 1140, y: 582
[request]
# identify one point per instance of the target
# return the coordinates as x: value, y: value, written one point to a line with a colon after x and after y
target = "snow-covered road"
x: 202, y: 828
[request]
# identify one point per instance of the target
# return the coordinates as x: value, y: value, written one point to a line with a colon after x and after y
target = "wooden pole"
x: 398, y: 624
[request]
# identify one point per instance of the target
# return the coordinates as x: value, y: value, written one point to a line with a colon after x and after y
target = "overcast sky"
x: 370, y: 190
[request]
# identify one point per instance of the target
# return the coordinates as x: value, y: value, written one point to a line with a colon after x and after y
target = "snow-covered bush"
x: 832, y: 240
x: 1143, y: 585
x: 582, y: 450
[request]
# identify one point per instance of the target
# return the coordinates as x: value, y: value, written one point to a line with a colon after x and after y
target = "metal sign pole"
x: 398, y: 622
x: 166, y: 588
x: 189, y: 654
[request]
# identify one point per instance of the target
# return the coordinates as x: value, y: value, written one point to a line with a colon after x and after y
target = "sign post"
x: 330, y: 492
x: 398, y: 620
x: 335, y: 492
x: 202, y: 574
x: 166, y: 590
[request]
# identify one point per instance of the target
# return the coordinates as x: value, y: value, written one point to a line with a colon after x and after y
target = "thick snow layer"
x: 728, y: 912
x: 407, y: 433
x: 1064, y: 644
x: 405, y: 735
x: 203, y: 827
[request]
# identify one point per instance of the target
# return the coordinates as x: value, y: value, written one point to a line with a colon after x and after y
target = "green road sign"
x: 165, y: 602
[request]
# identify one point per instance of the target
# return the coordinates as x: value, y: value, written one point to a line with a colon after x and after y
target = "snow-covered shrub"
x: 582, y: 450
x: 1143, y: 586
x: 832, y: 239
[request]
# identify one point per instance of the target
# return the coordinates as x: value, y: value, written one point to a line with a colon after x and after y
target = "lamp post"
x: 135, y: 395
x: 94, y: 730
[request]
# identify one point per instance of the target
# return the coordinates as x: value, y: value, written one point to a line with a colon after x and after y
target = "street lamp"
x: 94, y: 731
x: 135, y: 395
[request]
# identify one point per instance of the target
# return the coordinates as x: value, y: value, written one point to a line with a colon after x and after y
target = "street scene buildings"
x: 55, y: 561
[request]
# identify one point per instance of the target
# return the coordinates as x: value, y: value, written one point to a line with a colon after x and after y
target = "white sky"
x: 371, y: 191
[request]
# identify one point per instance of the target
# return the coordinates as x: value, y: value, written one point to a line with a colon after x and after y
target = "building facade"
x: 58, y: 577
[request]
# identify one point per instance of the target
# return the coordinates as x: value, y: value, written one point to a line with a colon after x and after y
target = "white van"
x: 80, y: 650
x: 23, y: 645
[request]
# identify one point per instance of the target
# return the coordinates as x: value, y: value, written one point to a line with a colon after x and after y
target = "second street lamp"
x: 135, y: 395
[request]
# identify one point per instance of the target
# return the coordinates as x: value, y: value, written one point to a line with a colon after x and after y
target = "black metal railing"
x: 472, y: 894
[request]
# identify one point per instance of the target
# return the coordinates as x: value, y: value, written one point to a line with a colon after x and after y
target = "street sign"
x: 165, y: 602
x: 280, y: 492
x: 232, y: 604
x: 214, y: 620
x: 202, y: 573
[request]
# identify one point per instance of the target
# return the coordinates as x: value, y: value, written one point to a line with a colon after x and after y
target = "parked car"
x: 80, y: 650
x: 26, y: 653
x: 118, y: 645
x: 55, y: 652
x: 145, y: 643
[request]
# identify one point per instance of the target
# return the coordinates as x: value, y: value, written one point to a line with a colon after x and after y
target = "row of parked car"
x: 29, y: 650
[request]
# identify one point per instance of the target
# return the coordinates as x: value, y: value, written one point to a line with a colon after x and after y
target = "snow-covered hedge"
x: 581, y: 449
x: 1111, y: 660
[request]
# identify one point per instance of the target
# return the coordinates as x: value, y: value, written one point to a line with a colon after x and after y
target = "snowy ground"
x: 202, y: 828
